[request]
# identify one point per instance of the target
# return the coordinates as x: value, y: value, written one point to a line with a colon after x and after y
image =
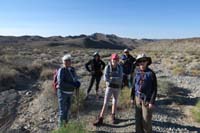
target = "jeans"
x: 64, y: 104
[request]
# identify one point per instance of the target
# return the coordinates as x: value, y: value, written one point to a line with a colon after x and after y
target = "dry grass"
x: 47, y: 74
x: 7, y: 78
x: 165, y: 88
x: 124, y: 98
x: 196, y: 112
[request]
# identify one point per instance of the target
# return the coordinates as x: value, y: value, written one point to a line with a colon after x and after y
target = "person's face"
x: 97, y: 57
x: 67, y: 63
x: 114, y: 62
x: 143, y: 64
x: 126, y: 53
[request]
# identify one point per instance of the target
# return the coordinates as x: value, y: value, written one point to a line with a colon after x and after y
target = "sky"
x: 153, y: 19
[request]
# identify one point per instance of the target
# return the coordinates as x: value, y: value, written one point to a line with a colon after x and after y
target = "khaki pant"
x: 143, y: 117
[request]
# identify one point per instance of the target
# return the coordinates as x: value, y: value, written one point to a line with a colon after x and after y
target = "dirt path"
x: 171, y: 115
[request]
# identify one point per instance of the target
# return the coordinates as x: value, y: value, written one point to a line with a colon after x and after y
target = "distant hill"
x: 96, y: 40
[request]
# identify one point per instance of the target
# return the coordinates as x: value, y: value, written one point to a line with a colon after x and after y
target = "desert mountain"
x: 96, y: 40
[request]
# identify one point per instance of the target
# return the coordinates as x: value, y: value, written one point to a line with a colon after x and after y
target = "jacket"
x: 95, y: 67
x: 66, y: 79
x: 145, y: 84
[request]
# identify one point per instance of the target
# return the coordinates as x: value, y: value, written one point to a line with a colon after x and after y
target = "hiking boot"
x: 98, y: 122
x: 113, y: 120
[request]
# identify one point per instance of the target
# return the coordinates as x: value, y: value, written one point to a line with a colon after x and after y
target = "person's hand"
x: 77, y: 84
x: 152, y: 106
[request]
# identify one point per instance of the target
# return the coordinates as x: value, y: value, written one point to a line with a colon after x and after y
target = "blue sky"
x: 126, y: 18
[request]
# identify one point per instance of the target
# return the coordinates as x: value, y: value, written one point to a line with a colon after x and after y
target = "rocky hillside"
x: 96, y: 40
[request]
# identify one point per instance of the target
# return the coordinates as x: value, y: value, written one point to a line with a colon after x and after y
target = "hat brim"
x: 147, y: 58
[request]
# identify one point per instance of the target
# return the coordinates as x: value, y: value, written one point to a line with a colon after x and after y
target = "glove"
x: 77, y: 84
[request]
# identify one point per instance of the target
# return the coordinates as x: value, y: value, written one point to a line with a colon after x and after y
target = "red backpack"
x: 55, y: 82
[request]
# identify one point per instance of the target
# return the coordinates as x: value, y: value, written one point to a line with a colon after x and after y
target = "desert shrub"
x: 179, y: 70
x: 46, y: 74
x: 124, y: 98
x: 194, y: 68
x: 34, y: 69
x: 196, y: 112
x: 194, y: 72
x: 48, y: 99
x: 72, y: 127
x: 165, y: 87
x: 7, y: 78
x: 78, y: 102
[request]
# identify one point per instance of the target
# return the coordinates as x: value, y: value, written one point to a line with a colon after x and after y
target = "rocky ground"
x: 168, y: 116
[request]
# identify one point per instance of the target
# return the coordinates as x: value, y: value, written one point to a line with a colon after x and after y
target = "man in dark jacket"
x: 144, y: 93
x: 67, y: 83
x: 128, y: 68
x: 95, y: 66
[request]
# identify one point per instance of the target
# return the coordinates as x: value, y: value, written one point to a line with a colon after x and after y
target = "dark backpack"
x: 55, y: 82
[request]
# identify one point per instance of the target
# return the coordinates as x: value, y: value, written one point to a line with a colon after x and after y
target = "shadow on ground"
x: 174, y: 125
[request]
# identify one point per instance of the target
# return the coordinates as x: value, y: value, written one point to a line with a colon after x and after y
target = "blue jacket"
x: 66, y: 79
x: 146, y: 85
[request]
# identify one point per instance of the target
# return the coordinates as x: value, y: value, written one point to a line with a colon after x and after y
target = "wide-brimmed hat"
x: 114, y: 56
x: 143, y: 56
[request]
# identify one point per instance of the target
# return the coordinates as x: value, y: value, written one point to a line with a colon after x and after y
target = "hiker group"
x: 118, y: 73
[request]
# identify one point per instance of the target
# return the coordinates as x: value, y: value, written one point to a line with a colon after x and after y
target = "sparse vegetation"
x: 47, y: 74
x: 165, y: 87
x: 124, y: 98
x: 196, y: 112
x: 72, y: 127
x: 7, y: 78
x: 78, y: 102
x: 178, y: 70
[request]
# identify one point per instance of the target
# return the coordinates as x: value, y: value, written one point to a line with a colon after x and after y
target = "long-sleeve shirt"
x: 95, y: 66
x: 66, y: 78
x: 144, y: 82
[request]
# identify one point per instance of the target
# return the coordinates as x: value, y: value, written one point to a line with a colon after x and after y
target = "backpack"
x: 55, y: 82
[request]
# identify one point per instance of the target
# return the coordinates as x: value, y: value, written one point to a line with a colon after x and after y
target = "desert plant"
x: 7, y: 78
x: 196, y: 112
x: 72, y: 127
x: 165, y: 87
x: 78, y: 102
x: 124, y: 98
x: 46, y: 74
x: 178, y: 70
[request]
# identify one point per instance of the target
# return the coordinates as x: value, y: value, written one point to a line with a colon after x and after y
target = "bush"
x: 78, y: 102
x: 7, y: 78
x: 178, y: 70
x: 124, y: 98
x: 165, y: 87
x: 47, y: 74
x: 196, y: 112
x: 71, y: 127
